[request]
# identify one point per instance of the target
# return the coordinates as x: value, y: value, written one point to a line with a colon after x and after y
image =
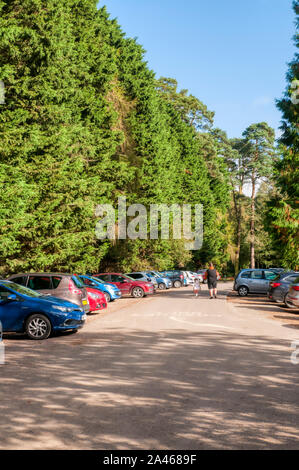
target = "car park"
x: 143, y: 276
x: 110, y: 291
x: 292, y: 299
x: 176, y: 276
x: 64, y: 286
x: 96, y: 299
x: 279, y: 287
x: 253, y: 281
x: 127, y: 285
x: 24, y: 310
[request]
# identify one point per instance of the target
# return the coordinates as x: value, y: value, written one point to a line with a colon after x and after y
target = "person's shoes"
x: 215, y: 296
x: 211, y: 297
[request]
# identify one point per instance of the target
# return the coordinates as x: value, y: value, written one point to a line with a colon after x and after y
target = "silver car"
x: 64, y: 286
x: 253, y: 281
x: 142, y: 276
x: 292, y: 299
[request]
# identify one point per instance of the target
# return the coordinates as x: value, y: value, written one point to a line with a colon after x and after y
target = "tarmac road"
x: 166, y: 372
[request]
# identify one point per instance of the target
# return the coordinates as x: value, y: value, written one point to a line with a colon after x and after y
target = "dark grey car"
x: 279, y: 287
x: 253, y: 281
x: 61, y: 285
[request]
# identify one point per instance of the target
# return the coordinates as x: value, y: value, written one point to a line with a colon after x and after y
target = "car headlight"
x: 62, y: 309
x: 93, y: 296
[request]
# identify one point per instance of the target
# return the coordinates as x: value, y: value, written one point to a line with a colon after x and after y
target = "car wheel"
x: 243, y: 291
x: 137, y: 292
x: 162, y: 286
x: 38, y: 326
x: 177, y: 284
x: 107, y: 296
x: 288, y: 303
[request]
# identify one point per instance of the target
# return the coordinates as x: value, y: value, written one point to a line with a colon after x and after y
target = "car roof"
x: 42, y: 274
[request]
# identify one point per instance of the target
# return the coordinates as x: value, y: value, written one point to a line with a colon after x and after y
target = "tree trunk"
x: 252, y: 225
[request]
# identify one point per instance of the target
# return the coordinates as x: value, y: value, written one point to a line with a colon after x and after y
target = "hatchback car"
x: 110, y: 291
x: 64, y: 286
x: 23, y: 310
x: 279, y: 287
x: 127, y: 285
x: 163, y: 282
x: 253, y: 281
x: 177, y: 277
x: 143, y: 276
x: 292, y: 299
x: 96, y: 299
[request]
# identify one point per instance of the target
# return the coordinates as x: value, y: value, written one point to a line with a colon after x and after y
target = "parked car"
x: 23, y: 310
x: 143, y: 276
x: 110, y: 291
x: 253, y: 281
x: 64, y: 286
x: 176, y: 276
x: 279, y: 287
x: 202, y: 272
x: 292, y: 299
x: 163, y: 282
x: 127, y: 285
x: 96, y: 299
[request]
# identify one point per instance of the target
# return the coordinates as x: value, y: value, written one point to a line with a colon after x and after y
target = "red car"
x: 96, y: 299
x: 127, y: 285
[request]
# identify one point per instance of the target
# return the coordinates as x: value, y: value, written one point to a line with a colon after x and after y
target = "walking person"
x: 196, y: 286
x: 211, y: 276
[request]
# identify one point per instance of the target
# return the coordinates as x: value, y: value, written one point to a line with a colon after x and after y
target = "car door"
x: 123, y: 284
x: 41, y: 283
x: 267, y: 278
x: 257, y: 281
x: 11, y: 311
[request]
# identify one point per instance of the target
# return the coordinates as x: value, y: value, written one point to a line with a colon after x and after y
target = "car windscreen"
x: 77, y: 281
x: 296, y: 281
x: 21, y: 289
x: 97, y: 279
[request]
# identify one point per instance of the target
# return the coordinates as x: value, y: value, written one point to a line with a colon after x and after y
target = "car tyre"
x: 243, y: 291
x: 162, y: 286
x: 177, y: 284
x: 107, y: 296
x: 38, y: 326
x: 288, y: 303
x: 138, y: 292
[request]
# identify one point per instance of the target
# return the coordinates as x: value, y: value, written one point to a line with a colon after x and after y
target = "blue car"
x: 163, y: 281
x: 23, y: 310
x: 110, y: 291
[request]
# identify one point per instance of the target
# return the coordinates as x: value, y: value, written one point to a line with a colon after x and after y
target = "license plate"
x: 84, y: 302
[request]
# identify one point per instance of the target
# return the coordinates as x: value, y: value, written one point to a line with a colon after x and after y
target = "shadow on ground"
x: 125, y: 389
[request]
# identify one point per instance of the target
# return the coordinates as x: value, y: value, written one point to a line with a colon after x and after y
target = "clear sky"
x: 231, y: 54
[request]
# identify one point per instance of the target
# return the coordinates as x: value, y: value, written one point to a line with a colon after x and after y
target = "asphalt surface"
x: 166, y: 372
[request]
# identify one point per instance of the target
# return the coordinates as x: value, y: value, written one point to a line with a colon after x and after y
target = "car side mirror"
x: 12, y: 297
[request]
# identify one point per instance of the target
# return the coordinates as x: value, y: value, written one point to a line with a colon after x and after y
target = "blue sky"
x: 231, y: 54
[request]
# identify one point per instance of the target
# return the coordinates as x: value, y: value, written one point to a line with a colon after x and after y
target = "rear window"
x: 270, y: 275
x: 39, y: 282
x: 56, y: 280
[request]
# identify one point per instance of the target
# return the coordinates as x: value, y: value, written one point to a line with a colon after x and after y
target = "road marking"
x: 203, y: 324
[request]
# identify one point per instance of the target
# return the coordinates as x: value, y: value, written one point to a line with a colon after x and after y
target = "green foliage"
x: 283, y: 213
